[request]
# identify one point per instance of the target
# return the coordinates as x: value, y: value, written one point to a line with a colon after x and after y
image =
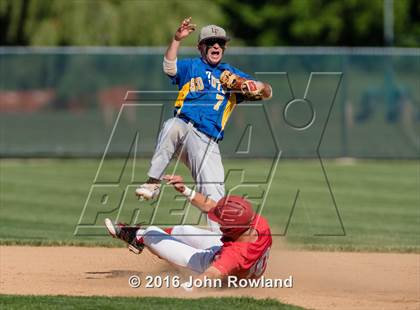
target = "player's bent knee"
x: 180, y: 230
x: 177, y: 230
x: 153, y: 234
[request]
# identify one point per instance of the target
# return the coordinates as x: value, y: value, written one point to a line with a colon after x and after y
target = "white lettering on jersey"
x: 214, y: 82
x: 258, y: 268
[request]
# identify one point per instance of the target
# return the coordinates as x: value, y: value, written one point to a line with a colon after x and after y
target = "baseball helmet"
x: 234, y: 214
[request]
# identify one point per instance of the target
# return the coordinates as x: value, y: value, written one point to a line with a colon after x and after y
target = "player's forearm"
x: 204, y: 203
x: 211, y: 273
x: 172, y: 51
x: 170, y: 59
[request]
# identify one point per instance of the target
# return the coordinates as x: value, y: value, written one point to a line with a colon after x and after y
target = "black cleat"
x: 126, y: 234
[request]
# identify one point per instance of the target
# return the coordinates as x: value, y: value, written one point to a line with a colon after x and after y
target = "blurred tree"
x: 407, y: 22
x: 99, y: 22
x: 253, y: 23
x: 320, y: 22
x: 12, y: 17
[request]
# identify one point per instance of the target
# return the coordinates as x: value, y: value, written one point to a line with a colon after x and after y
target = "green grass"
x: 100, y: 302
x: 378, y: 201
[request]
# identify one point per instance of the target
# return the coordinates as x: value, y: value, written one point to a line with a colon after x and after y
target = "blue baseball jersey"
x: 201, y: 98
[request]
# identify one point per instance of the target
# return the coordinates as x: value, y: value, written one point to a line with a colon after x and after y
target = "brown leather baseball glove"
x: 248, y: 88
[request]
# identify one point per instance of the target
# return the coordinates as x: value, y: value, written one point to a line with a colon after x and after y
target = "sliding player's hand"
x: 176, y: 181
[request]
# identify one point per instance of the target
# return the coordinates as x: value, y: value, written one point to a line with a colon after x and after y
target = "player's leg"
x: 205, y: 163
x: 176, y: 252
x: 170, y: 139
x: 196, y: 237
x: 211, y: 178
x: 173, y: 132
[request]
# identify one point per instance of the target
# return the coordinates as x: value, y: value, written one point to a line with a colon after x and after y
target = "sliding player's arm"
x: 204, y: 203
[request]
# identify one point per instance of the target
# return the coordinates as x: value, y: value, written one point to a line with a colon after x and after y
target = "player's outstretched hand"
x: 176, y: 181
x: 185, y: 29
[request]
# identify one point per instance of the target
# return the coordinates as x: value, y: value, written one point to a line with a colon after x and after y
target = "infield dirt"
x: 321, y: 280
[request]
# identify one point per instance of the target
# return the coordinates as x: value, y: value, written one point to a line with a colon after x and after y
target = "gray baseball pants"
x: 197, y: 151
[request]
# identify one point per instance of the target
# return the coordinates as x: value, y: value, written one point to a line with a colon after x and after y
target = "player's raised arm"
x: 250, y: 89
x: 202, y: 202
x: 183, y: 31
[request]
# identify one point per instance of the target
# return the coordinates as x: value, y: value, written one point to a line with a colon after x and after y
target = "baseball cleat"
x: 148, y: 191
x: 126, y: 234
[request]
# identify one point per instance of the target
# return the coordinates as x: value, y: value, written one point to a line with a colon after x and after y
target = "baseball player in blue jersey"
x: 208, y: 93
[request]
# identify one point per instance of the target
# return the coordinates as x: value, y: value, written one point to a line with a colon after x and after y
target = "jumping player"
x: 242, y: 251
x: 205, y: 102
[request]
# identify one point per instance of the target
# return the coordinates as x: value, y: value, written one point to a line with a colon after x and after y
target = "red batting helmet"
x: 234, y: 214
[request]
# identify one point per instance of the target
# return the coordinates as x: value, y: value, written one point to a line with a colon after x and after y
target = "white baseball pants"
x: 198, y: 152
x: 187, y: 246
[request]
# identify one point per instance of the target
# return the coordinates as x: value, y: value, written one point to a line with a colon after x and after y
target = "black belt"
x: 195, y: 125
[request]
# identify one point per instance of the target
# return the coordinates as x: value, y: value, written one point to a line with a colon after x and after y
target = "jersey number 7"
x: 220, y: 99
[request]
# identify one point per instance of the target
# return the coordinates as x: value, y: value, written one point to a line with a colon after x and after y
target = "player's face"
x: 232, y: 233
x: 212, y: 50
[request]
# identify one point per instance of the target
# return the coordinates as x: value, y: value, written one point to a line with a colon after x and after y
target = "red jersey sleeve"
x: 227, y: 261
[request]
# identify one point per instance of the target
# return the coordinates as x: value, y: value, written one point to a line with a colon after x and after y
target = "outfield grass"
x: 100, y: 302
x: 378, y: 201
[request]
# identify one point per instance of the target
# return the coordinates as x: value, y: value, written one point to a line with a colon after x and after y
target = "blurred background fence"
x: 64, y: 101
